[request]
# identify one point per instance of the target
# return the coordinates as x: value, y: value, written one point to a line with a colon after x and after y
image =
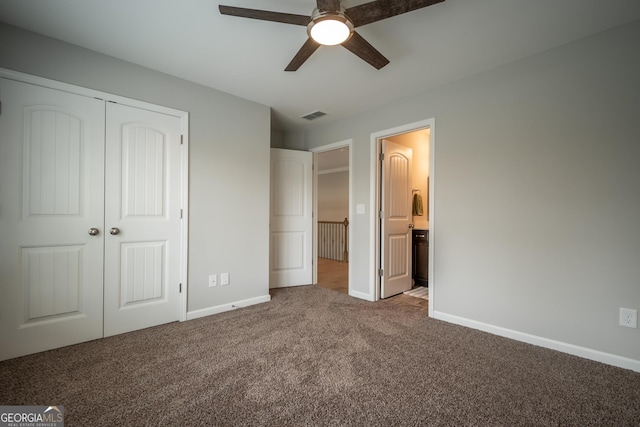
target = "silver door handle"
x: 114, y: 230
x: 93, y: 232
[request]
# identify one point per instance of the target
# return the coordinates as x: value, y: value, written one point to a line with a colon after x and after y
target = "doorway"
x: 332, y: 230
x: 419, y: 137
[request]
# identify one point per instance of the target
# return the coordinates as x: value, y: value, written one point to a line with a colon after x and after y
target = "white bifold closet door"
x: 65, y: 278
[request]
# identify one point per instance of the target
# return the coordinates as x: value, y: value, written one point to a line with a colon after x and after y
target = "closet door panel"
x: 51, y: 194
x: 143, y: 208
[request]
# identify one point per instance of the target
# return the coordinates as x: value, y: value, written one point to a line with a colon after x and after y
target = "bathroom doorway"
x: 419, y: 138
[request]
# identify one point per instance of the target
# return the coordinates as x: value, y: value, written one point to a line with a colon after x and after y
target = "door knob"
x: 93, y: 232
x: 114, y: 231
x: 411, y: 225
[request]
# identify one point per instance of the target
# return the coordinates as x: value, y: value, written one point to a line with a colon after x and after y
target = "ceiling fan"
x: 331, y: 24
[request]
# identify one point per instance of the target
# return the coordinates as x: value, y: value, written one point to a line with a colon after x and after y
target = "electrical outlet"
x: 213, y: 280
x: 224, y: 279
x: 628, y: 317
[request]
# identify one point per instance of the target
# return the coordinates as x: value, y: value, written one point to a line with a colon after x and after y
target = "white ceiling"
x: 245, y: 57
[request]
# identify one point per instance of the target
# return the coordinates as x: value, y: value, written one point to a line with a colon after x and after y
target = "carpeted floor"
x: 312, y: 357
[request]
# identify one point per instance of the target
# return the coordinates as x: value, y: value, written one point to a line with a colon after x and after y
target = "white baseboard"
x: 227, y: 307
x: 361, y: 295
x: 587, y: 353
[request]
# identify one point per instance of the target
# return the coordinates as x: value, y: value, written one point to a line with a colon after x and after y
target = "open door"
x: 291, y: 219
x: 396, y: 219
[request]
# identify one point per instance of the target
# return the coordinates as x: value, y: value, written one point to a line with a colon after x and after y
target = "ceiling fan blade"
x: 265, y: 15
x: 331, y: 5
x: 358, y: 45
x: 303, y: 54
x: 382, y: 9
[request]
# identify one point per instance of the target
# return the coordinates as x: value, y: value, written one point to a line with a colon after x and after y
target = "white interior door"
x: 142, y: 219
x: 396, y: 221
x: 291, y: 222
x: 51, y: 195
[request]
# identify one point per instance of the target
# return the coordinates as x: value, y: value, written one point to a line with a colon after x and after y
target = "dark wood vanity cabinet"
x: 420, y: 252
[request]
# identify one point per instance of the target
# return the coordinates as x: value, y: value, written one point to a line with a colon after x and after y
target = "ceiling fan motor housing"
x: 330, y: 27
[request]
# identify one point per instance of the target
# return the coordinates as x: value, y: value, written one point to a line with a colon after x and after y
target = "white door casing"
x: 291, y: 219
x: 51, y: 194
x: 143, y: 209
x: 396, y: 221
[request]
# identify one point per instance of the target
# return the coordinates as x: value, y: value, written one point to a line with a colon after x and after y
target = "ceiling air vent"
x: 314, y: 115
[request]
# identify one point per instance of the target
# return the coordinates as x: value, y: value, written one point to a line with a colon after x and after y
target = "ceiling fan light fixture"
x: 330, y: 28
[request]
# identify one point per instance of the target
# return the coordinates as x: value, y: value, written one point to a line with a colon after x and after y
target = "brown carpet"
x: 312, y: 357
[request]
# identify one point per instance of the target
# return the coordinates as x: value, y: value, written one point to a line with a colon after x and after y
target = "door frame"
x: 184, y: 161
x: 348, y: 143
x: 375, y: 263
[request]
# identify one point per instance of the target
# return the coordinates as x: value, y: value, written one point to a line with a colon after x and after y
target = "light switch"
x: 360, y: 208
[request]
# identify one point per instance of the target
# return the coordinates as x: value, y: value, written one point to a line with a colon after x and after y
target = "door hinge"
x: 381, y: 214
x: 181, y: 139
x: 180, y: 288
x: 181, y: 213
x: 382, y: 157
x: 381, y: 272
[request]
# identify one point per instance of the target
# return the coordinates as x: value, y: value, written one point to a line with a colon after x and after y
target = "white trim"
x: 321, y: 149
x: 184, y: 117
x: 374, y: 226
x: 587, y: 353
x: 335, y: 170
x: 314, y: 222
x: 361, y: 295
x: 432, y: 221
x: 374, y: 202
x: 332, y: 146
x: 184, y: 242
x: 195, y: 314
x: 83, y: 91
